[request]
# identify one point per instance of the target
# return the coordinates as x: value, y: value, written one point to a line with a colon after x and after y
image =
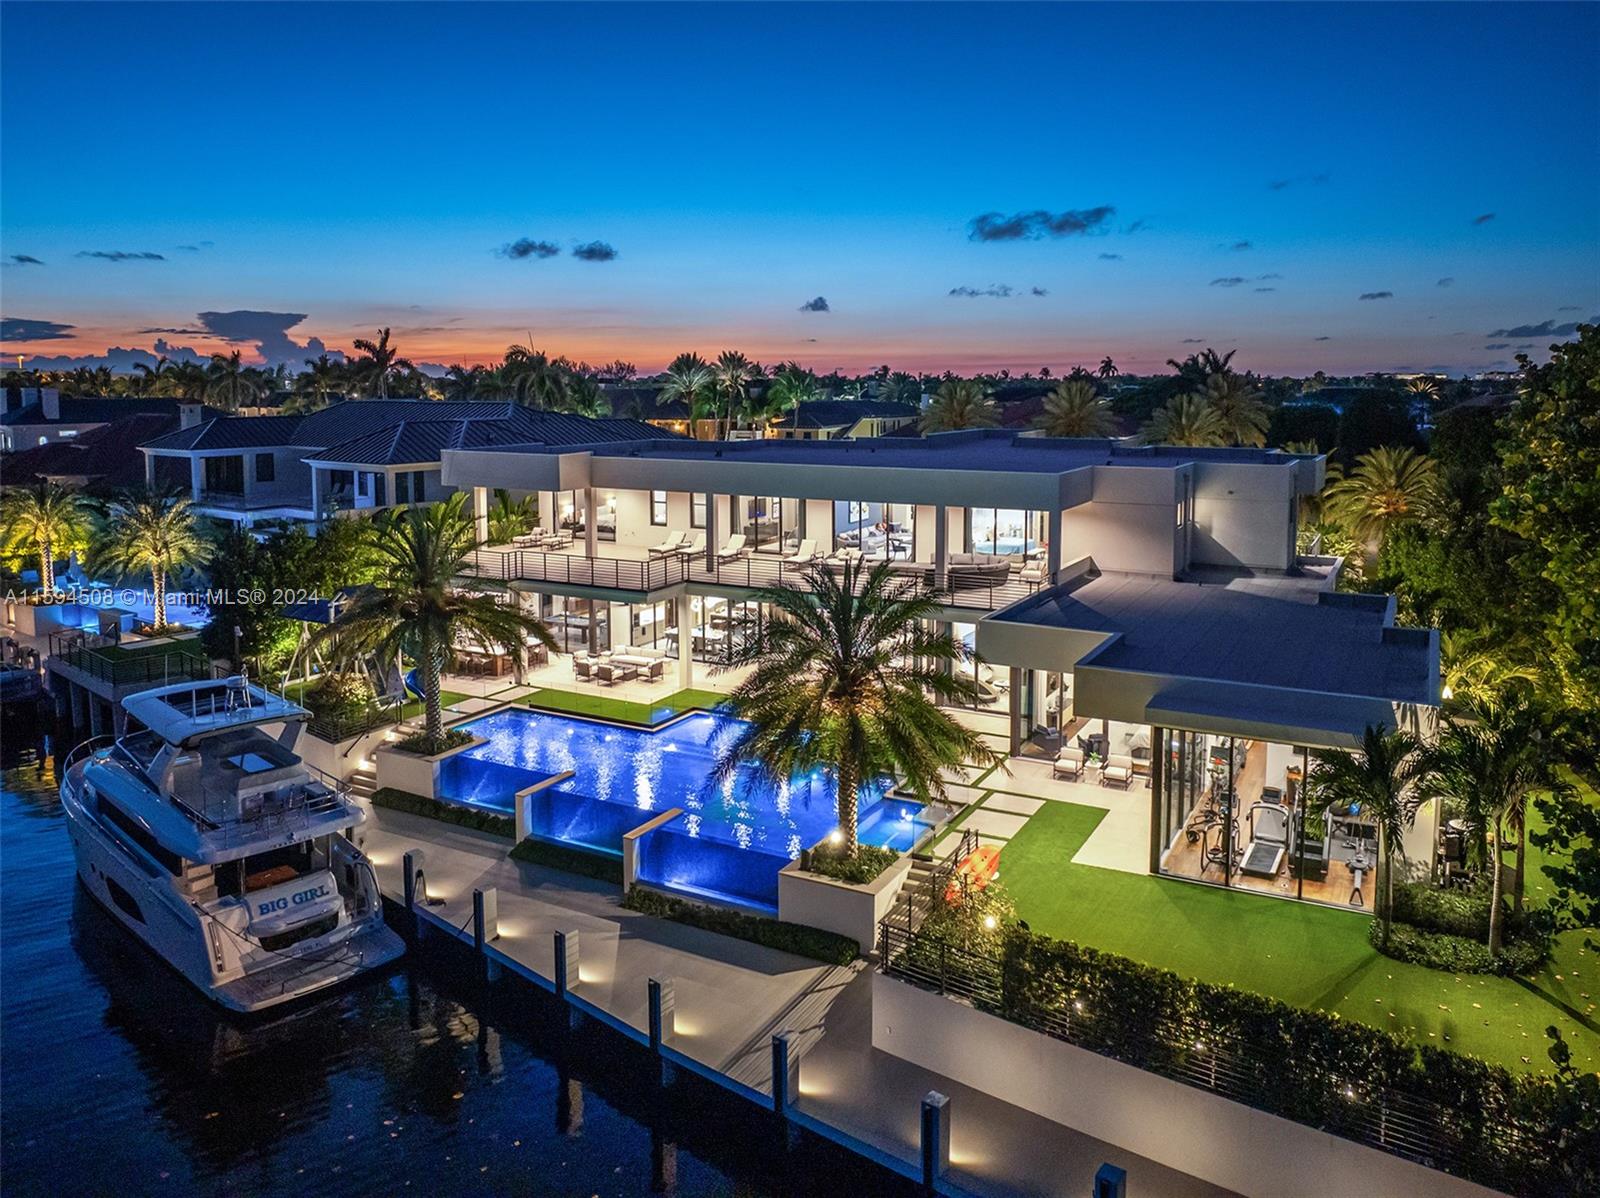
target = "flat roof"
x: 1286, y: 632
x: 985, y: 450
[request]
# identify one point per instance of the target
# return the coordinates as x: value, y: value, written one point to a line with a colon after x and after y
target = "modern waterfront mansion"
x: 1142, y: 622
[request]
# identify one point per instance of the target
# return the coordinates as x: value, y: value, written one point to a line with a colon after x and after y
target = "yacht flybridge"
x: 212, y: 841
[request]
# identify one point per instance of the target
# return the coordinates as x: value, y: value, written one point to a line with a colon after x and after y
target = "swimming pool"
x: 731, y: 839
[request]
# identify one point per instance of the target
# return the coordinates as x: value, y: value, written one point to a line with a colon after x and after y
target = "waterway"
x: 117, y: 1078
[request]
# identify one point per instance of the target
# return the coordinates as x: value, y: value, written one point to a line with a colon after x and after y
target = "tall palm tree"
x: 1240, y: 408
x: 154, y: 532
x: 1076, y: 409
x: 900, y: 387
x: 230, y: 381
x: 47, y: 518
x: 735, y: 373
x: 510, y: 517
x: 1197, y: 368
x: 848, y: 677
x: 378, y: 364
x: 186, y: 380
x: 1478, y: 672
x: 792, y: 388
x: 1422, y: 388
x: 689, y: 379
x: 414, y: 609
x: 960, y: 403
x: 1383, y: 778
x: 1108, y: 368
x: 1186, y: 420
x: 585, y: 397
x: 1489, y: 767
x: 1388, y: 487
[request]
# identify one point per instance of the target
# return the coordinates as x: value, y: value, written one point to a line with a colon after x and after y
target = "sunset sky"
x: 1338, y: 188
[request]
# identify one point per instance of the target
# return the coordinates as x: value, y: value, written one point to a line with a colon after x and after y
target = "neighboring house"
x: 105, y: 457
x: 40, y: 415
x: 354, y: 455
x: 1145, y: 631
x: 844, y: 420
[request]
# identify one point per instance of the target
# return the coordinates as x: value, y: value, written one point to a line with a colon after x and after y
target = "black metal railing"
x: 1184, y: 1041
x: 119, y: 669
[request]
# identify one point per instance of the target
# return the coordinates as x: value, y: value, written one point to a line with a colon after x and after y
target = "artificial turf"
x: 622, y: 710
x: 1312, y: 956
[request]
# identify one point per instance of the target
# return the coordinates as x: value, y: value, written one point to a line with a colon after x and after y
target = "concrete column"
x: 150, y: 470
x: 1017, y: 736
x: 1053, y: 535
x: 97, y: 719
x: 591, y: 522
x: 80, y: 708
x: 712, y: 539
x: 621, y: 626
x: 548, y: 516
x: 197, y: 478
x: 685, y: 643
x: 941, y: 547
x: 316, y: 498
x: 480, y: 514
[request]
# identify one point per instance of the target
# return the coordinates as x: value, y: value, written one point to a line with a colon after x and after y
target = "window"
x: 658, y: 507
x: 402, y: 487
x: 697, y: 511
x: 266, y: 468
x: 419, y: 486
x: 132, y: 833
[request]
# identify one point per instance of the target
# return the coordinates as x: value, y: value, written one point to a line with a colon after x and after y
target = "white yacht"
x: 212, y: 841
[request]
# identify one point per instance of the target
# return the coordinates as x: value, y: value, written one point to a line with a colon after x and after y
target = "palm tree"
x: 379, y: 362
x: 186, y: 380
x: 689, y: 379
x: 321, y: 378
x: 960, y: 403
x: 1388, y: 487
x: 1382, y: 777
x: 535, y: 380
x: 1422, y: 388
x: 900, y: 387
x: 1076, y: 409
x: 229, y: 380
x: 414, y: 609
x: 1197, y: 368
x: 1490, y: 767
x: 735, y: 373
x: 1186, y: 420
x: 1108, y: 368
x: 792, y: 388
x: 1240, y: 408
x: 150, y: 376
x: 510, y: 517
x: 154, y: 532
x: 46, y: 517
x: 1478, y: 674
x: 585, y: 397
x: 848, y: 677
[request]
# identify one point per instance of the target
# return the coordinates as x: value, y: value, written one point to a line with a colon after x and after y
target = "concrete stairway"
x: 363, y: 782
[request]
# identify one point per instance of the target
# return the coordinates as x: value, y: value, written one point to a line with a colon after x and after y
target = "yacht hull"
x: 177, y: 932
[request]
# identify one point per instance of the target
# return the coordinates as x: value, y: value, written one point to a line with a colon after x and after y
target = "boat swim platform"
x: 730, y: 999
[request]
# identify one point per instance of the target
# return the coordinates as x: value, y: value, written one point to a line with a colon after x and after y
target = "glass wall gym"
x: 1232, y: 812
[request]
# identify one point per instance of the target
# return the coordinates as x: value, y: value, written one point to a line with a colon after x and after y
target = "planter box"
x: 853, y: 911
x: 414, y: 772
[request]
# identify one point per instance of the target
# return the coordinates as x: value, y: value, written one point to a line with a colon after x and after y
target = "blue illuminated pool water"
x: 732, y: 837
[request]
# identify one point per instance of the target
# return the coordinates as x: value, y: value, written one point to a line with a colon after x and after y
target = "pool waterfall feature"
x: 588, y: 783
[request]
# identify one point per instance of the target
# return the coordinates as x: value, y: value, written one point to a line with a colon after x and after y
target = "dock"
x: 732, y: 1008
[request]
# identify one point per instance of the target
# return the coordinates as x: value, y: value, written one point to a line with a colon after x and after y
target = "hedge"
x: 569, y: 859
x: 864, y: 866
x: 796, y: 938
x: 1519, y: 1133
x: 1458, y: 954
x: 449, y: 813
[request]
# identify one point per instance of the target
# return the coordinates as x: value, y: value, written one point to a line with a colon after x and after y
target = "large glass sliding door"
x: 880, y: 530
x: 770, y: 524
x: 1004, y: 530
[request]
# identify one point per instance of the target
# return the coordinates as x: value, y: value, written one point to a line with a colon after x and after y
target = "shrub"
x: 803, y: 941
x: 1459, y: 954
x: 569, y: 859
x: 449, y: 813
x: 339, y: 697
x: 864, y: 866
x: 421, y: 742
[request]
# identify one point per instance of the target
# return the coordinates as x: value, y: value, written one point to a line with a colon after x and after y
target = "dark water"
x: 116, y: 1078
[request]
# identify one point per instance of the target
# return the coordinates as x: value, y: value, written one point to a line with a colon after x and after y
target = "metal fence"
x: 122, y: 668
x: 1278, y: 1069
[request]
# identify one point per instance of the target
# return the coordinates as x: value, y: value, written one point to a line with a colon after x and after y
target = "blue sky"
x: 363, y: 165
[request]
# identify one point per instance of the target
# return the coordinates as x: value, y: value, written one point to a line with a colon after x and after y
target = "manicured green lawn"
x: 606, y: 708
x: 1312, y: 956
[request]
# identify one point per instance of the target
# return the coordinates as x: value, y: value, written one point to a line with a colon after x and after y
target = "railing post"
x: 1111, y: 1182
x: 566, y: 970
x: 662, y: 1000
x: 785, y: 1073
x: 486, y: 927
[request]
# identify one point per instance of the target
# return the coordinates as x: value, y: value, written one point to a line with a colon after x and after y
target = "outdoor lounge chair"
x: 610, y: 672
x: 733, y: 549
x: 1269, y: 840
x: 807, y: 552
x: 671, y: 545
x: 695, y: 547
x: 1033, y: 573
x: 1068, y: 763
x: 1118, y: 771
x: 582, y: 667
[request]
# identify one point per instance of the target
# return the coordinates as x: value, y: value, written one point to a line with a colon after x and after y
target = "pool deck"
x: 731, y: 998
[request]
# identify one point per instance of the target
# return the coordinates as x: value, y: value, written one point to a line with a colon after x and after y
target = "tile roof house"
x: 356, y: 454
x: 34, y: 416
